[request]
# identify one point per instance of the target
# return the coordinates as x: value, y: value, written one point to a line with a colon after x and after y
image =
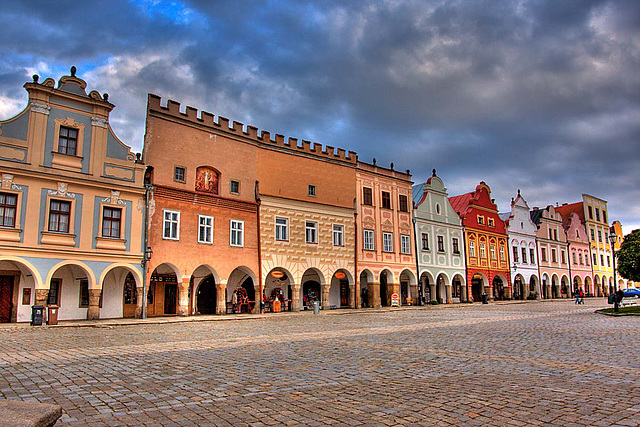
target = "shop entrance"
x: 310, y: 293
x: 130, y: 297
x: 206, y: 297
x: 383, y: 290
x: 170, y: 298
x: 498, y: 289
x: 6, y: 298
x: 344, y: 293
x: 477, y: 287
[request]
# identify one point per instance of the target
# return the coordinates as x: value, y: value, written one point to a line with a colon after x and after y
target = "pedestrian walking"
x: 581, y: 296
x: 577, y: 295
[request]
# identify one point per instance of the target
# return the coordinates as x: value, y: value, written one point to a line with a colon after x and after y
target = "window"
x: 404, y: 207
x: 595, y: 259
x: 483, y: 251
x: 425, y: 241
x: 171, y: 225
x: 386, y: 200
x: 606, y: 237
x: 597, y: 214
x: 472, y: 249
x: 282, y: 229
x: 54, y: 292
x: 369, y: 244
x: 405, y: 244
x: 586, y: 259
x: 532, y: 256
x: 554, y: 255
x: 68, y: 141
x: 440, y: 243
x: 179, y: 174
x: 205, y: 229
x: 550, y: 234
x: 8, y: 206
x: 338, y: 235
x: 590, y: 212
x: 438, y: 208
x: 84, y: 293
x: 311, y: 232
x: 577, y: 234
x: 608, y: 261
x: 237, y: 233
x: 563, y: 257
x: 604, y: 216
x: 480, y: 220
x: 491, y: 222
x: 593, y: 235
x: 311, y: 190
x: 455, y: 245
x: 59, y: 215
x: 600, y: 236
x: 130, y: 294
x: 524, y: 255
x: 579, y: 258
x: 573, y: 258
x: 555, y: 234
x: 387, y: 242
x: 492, y: 249
x: 515, y: 254
x: 234, y: 187
x: 111, y: 218
x: 544, y: 254
x: 602, y: 260
x: 367, y: 196
x: 502, y: 253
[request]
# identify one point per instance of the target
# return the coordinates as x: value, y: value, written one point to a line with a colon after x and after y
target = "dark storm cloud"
x: 540, y: 95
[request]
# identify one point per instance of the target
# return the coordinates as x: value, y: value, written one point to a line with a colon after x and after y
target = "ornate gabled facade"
x: 440, y: 242
x: 486, y: 245
x: 72, y: 204
x: 579, y: 253
x: 522, y: 246
x: 552, y: 252
x: 385, y: 241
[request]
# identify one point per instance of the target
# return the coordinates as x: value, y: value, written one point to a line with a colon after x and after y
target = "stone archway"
x: 519, y: 290
x: 498, y: 287
x: 386, y: 287
x: 313, y: 289
x: 72, y: 287
x: 478, y: 286
x: 458, y: 289
x: 279, y: 287
x: 20, y: 288
x: 162, y: 295
x: 367, y: 289
x: 340, y: 294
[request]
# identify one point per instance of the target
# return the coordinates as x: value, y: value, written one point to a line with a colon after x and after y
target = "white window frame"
x: 175, y: 221
x: 282, y: 230
x: 472, y: 249
x: 369, y: 243
x: 205, y: 226
x: 483, y: 250
x: 311, y: 232
x: 234, y: 229
x: 387, y: 242
x: 405, y: 244
x: 338, y: 235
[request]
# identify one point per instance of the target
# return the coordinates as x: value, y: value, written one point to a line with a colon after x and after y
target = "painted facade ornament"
x: 38, y: 107
x: 207, y: 180
x: 7, y: 180
x: 62, y: 191
x: 99, y: 122
x: 115, y: 197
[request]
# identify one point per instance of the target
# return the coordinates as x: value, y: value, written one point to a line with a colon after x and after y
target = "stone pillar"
x: 373, y: 294
x: 463, y: 294
x: 432, y: 292
x: 507, y: 292
x: 448, y: 298
x: 93, y: 313
x: 295, y: 297
x: 140, y: 301
x: 353, y: 289
x: 183, y: 296
x: 258, y: 298
x: 324, y: 297
x: 221, y: 297
x: 413, y: 293
x: 41, y: 297
x: 489, y: 292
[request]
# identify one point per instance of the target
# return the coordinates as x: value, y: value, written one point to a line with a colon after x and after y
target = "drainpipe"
x: 466, y: 264
x: 260, y: 289
x: 356, y: 278
x: 145, y: 261
x: 569, y: 262
x: 415, y: 248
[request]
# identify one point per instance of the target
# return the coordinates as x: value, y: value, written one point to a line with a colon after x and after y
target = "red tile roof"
x: 461, y: 203
x: 565, y: 210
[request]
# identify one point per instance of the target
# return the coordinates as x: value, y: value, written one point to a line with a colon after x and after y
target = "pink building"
x: 579, y: 252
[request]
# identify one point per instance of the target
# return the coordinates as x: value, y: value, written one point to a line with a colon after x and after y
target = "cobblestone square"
x: 537, y: 363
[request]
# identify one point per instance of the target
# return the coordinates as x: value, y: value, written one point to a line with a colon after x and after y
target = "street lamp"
x: 613, y: 237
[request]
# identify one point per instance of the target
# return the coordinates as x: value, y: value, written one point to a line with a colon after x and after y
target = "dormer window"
x: 68, y: 141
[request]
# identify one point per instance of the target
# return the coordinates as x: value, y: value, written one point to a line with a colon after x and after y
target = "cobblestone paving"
x: 539, y: 363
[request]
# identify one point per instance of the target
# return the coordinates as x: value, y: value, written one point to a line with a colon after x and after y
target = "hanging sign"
x: 277, y: 274
x: 340, y: 275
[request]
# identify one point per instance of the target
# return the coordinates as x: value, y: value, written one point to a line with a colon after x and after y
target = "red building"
x: 486, y: 242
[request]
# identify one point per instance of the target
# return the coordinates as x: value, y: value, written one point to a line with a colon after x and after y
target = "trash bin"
x: 36, y: 315
x: 52, y: 315
x: 316, y: 307
x: 485, y: 299
x: 612, y: 298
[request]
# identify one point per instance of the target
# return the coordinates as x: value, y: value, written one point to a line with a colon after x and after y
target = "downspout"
x: 260, y: 289
x: 466, y: 263
x: 145, y: 261
x: 415, y: 248
x: 356, y: 278
x: 569, y: 262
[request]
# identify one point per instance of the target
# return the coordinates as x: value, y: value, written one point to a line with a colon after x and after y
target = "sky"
x: 541, y: 96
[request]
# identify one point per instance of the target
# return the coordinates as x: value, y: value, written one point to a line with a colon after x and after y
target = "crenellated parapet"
x: 248, y: 132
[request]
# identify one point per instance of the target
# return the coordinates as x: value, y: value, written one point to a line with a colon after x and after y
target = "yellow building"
x: 71, y: 207
x: 623, y: 283
x: 597, y: 226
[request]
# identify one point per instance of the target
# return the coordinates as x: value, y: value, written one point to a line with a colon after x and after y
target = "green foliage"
x: 434, y: 302
x: 629, y: 257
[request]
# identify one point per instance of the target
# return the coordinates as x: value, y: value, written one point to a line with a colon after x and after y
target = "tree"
x: 629, y: 257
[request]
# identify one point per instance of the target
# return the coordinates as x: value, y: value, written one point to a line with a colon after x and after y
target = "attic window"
x: 68, y: 141
x: 438, y: 208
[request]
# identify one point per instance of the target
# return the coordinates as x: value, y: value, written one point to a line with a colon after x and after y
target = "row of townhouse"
x: 217, y: 217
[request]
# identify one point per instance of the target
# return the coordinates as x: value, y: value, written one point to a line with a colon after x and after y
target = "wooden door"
x: 6, y: 298
x: 344, y: 293
x: 130, y: 297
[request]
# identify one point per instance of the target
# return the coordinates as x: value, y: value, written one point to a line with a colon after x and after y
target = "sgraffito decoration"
x: 207, y: 180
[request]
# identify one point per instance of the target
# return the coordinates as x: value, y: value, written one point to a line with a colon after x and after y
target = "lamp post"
x: 516, y: 284
x: 613, y: 237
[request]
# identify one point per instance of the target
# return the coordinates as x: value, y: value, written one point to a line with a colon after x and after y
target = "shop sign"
x: 395, y: 300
